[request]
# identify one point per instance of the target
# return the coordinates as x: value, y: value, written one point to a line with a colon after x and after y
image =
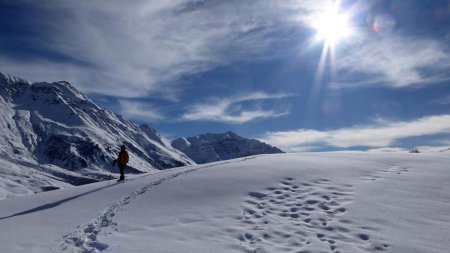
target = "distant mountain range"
x: 207, y: 148
x: 53, y: 136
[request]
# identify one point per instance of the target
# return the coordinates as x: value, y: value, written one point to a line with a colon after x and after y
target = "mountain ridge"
x: 65, y: 137
x: 212, y: 147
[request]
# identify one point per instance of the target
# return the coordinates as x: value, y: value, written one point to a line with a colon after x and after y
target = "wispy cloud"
x: 443, y: 100
x: 387, y: 149
x: 443, y: 142
x: 395, y: 61
x: 140, y: 111
x: 382, y: 134
x: 132, y: 50
x: 231, y: 110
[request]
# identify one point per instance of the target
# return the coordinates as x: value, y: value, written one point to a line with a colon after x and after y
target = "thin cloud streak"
x: 383, y: 134
x: 443, y: 101
x: 395, y: 61
x: 387, y: 150
x: 140, y: 111
x: 220, y: 110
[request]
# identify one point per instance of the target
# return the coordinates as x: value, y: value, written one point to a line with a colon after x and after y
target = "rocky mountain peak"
x: 65, y: 137
x: 210, y: 147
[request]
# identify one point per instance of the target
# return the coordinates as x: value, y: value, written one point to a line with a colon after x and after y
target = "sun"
x: 332, y: 25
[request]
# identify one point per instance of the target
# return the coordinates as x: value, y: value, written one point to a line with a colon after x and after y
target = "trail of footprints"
x: 389, y: 170
x: 85, y: 239
x: 295, y: 217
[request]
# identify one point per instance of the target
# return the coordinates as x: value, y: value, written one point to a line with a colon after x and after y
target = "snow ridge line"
x: 85, y: 240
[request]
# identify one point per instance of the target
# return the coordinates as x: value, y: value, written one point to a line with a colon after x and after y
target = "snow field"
x: 311, y: 202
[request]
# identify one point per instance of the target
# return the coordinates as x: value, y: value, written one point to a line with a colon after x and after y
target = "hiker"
x: 122, y: 160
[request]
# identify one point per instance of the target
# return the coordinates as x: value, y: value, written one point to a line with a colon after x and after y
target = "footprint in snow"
x: 377, y: 175
x: 293, y: 216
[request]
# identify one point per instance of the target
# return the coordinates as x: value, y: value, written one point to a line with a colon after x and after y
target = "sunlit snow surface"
x: 311, y: 202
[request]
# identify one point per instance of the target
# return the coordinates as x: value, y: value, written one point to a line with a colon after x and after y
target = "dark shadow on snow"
x: 55, y: 204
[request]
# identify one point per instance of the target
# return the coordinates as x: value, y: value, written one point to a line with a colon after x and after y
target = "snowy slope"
x: 207, y: 148
x: 311, y: 202
x: 51, y: 135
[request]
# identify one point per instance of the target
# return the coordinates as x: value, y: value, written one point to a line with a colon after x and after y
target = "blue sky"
x: 259, y: 68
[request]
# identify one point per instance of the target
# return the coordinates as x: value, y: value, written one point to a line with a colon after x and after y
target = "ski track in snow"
x: 292, y: 216
x: 86, y: 239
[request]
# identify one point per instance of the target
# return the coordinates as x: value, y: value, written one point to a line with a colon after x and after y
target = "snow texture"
x: 53, y: 136
x: 207, y: 148
x: 309, y: 202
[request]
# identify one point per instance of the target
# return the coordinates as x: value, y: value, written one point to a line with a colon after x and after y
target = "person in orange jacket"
x: 122, y: 160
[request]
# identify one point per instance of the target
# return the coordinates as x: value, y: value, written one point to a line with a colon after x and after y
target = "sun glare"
x: 332, y: 25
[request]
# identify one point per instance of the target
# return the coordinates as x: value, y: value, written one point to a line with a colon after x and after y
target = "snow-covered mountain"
x: 51, y: 136
x: 308, y: 202
x: 207, y: 148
